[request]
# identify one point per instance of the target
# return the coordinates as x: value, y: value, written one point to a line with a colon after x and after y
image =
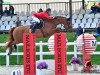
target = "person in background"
x: 11, y: 10
x: 98, y: 7
x: 6, y: 12
x: 95, y: 8
x: 40, y: 10
x: 79, y: 31
x: 1, y: 12
x: 97, y: 4
x: 18, y: 22
x: 97, y: 31
x: 1, y: 8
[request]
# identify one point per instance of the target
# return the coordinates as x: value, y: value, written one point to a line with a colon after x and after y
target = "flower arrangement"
x: 75, y: 60
x: 42, y: 65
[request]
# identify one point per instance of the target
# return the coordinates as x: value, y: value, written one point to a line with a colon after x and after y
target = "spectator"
x: 98, y: 7
x: 6, y: 12
x: 95, y: 8
x: 40, y: 10
x: 97, y: 31
x: 98, y: 4
x: 79, y: 31
x: 1, y: 12
x: 11, y: 10
x: 1, y: 7
x: 18, y: 22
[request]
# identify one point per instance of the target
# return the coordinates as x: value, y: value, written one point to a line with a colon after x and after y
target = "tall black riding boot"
x: 34, y: 27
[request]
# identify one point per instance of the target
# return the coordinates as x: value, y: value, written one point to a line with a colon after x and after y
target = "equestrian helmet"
x: 48, y: 9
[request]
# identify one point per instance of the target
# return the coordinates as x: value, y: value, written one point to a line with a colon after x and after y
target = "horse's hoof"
x: 9, y: 53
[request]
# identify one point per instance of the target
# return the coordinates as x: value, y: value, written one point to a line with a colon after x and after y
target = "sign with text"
x: 29, y: 54
x: 89, y: 42
x: 93, y: 43
x: 60, y: 53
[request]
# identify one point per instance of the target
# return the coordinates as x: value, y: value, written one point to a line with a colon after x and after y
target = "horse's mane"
x: 57, y: 17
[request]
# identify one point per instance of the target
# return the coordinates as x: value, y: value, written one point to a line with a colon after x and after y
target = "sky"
x: 36, y: 1
x: 39, y: 1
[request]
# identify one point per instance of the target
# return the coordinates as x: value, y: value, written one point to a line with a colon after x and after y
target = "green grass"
x: 70, y: 36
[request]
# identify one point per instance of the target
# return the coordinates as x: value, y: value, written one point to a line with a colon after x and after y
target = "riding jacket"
x: 42, y: 15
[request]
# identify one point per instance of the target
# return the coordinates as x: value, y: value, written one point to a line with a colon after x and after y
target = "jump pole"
x: 60, y: 53
x: 88, y: 47
x: 29, y: 48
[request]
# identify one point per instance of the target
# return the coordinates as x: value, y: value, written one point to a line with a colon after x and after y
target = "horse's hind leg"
x: 10, y: 50
x: 15, y: 47
x: 10, y: 46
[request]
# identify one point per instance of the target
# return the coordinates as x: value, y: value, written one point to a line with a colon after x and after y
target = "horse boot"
x: 63, y: 28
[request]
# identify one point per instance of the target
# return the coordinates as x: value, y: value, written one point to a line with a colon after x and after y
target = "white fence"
x: 41, y: 53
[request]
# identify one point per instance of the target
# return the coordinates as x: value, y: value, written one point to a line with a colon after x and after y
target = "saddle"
x: 41, y: 24
x: 35, y: 26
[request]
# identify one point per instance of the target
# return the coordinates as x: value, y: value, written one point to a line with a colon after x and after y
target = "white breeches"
x: 35, y: 19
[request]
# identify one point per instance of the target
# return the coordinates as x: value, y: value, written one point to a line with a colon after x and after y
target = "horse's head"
x: 64, y: 23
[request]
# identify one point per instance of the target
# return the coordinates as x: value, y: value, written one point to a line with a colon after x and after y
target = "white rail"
x: 41, y: 53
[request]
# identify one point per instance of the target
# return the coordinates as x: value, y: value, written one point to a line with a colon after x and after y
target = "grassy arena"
x: 71, y: 37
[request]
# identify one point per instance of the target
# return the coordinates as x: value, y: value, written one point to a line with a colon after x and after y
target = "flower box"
x: 41, y: 72
x: 41, y: 68
x: 75, y: 63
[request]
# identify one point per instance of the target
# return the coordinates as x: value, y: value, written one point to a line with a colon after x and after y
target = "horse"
x: 49, y: 28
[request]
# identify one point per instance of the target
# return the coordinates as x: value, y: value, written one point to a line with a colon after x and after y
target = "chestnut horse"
x: 49, y: 28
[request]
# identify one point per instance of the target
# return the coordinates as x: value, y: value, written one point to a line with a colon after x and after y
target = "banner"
x: 60, y: 53
x: 29, y: 54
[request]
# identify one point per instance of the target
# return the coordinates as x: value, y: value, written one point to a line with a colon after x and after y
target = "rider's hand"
x: 54, y: 17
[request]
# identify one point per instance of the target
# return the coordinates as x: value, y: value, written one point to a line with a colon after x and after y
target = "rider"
x: 42, y: 15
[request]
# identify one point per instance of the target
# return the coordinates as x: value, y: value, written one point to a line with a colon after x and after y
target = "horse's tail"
x: 11, y: 38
